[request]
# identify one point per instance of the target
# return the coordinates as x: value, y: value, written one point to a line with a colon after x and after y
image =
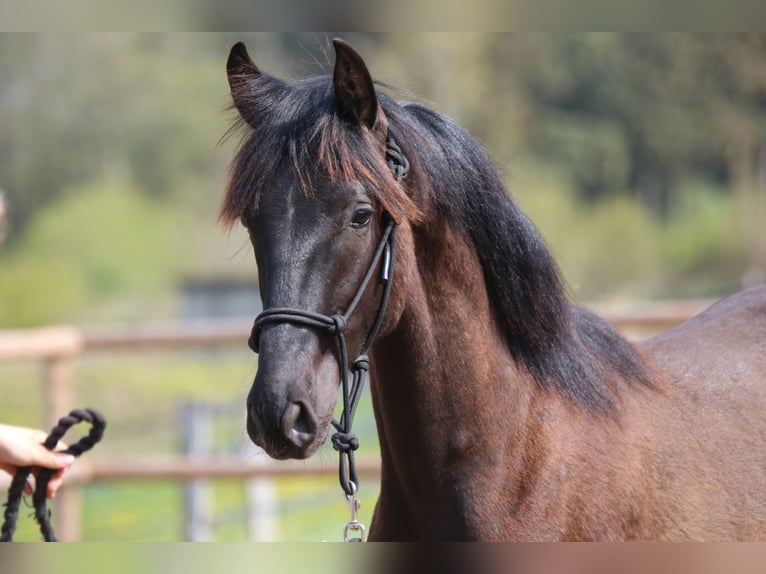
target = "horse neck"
x: 445, y: 387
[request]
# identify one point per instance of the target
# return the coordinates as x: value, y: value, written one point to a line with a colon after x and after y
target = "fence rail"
x: 66, y: 341
x: 214, y: 467
x: 57, y: 348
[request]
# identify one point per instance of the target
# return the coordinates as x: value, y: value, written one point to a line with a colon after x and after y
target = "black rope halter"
x: 16, y: 490
x: 344, y: 440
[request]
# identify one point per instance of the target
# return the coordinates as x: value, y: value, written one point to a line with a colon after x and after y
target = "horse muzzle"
x: 290, y: 433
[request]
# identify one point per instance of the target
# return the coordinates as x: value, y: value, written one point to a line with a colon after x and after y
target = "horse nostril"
x: 298, y: 424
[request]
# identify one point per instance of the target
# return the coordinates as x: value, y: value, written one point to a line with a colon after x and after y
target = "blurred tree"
x: 76, y: 107
x: 92, y: 244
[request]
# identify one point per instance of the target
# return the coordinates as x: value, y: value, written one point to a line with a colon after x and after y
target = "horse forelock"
x: 303, y: 133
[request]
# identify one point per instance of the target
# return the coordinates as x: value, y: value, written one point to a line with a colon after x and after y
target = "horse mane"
x: 565, y: 348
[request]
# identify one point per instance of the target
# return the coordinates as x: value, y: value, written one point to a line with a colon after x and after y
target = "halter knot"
x: 344, y: 441
x: 361, y: 363
x: 397, y: 161
x: 338, y: 324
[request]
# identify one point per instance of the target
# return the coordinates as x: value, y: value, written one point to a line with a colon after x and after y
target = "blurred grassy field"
x: 141, y: 396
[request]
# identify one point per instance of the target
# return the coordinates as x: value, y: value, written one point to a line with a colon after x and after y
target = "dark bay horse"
x: 503, y: 411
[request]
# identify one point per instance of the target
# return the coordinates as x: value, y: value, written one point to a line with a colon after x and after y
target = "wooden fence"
x: 58, y: 347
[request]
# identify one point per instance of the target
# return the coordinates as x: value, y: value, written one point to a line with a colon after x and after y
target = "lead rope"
x: 344, y: 440
x: 16, y: 490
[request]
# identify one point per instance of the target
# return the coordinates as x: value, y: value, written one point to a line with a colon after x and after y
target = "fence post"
x: 58, y: 402
x: 198, y: 500
x: 261, y: 495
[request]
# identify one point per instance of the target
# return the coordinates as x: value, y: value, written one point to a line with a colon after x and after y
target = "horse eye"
x: 361, y: 217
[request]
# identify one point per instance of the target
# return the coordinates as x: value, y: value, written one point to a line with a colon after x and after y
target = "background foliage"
x: 640, y: 156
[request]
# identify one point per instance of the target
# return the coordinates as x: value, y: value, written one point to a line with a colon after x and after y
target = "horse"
x: 504, y: 411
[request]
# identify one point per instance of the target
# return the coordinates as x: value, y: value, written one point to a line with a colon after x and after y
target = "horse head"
x: 308, y: 185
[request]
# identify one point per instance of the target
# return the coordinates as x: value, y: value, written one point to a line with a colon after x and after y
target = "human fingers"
x: 20, y: 446
x: 55, y: 482
x: 52, y: 459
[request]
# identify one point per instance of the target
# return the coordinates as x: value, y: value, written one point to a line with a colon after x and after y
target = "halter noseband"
x: 344, y: 440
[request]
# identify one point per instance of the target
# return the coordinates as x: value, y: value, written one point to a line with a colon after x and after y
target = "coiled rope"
x: 16, y: 490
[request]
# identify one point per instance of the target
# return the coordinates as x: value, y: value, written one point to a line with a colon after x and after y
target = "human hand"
x: 21, y: 447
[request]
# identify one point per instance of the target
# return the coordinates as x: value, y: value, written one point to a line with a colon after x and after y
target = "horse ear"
x: 239, y: 66
x: 240, y: 69
x: 353, y: 85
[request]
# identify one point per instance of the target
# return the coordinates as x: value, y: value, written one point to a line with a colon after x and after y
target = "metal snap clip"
x: 353, y: 525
